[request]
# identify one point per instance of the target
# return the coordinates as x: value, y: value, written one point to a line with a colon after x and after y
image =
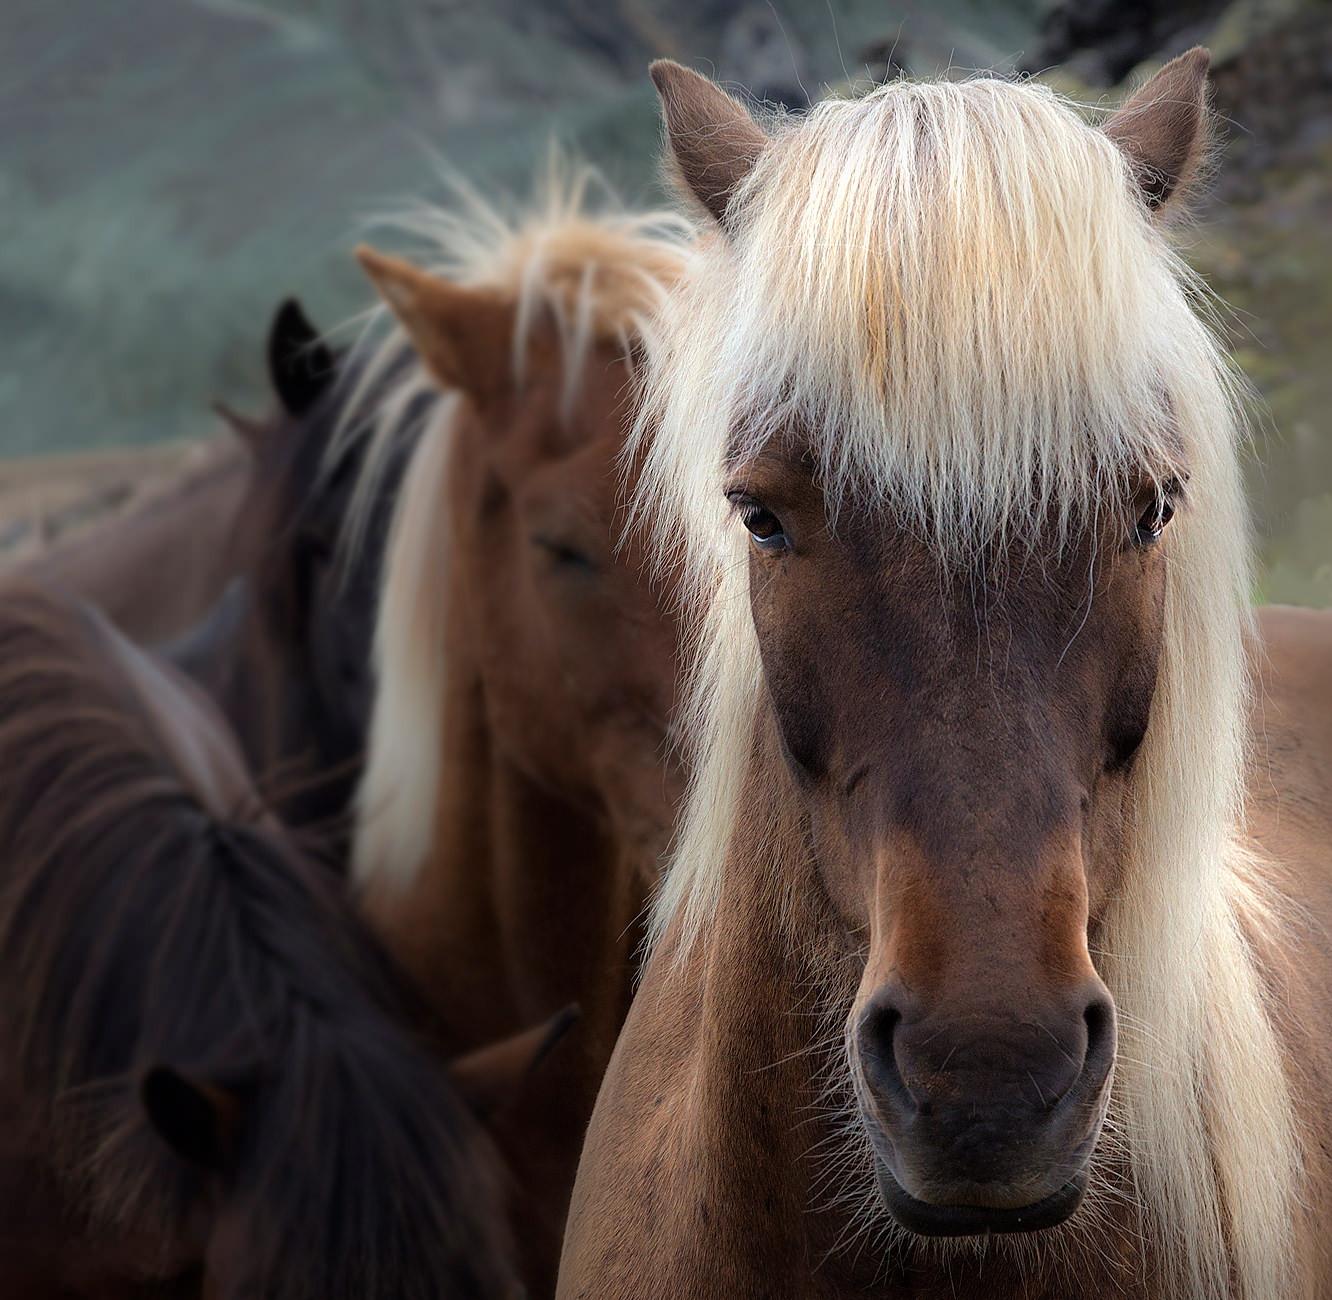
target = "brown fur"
x: 156, y: 927
x: 1162, y: 129
x: 558, y: 783
x: 718, y: 140
x: 285, y: 651
x: 156, y: 569
x: 718, y: 1161
x: 876, y: 1057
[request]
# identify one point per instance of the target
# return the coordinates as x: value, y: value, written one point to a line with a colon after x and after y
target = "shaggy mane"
x: 601, y: 273
x: 151, y: 911
x: 956, y: 294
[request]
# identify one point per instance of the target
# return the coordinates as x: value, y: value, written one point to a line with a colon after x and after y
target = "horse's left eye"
x: 1154, y: 520
x: 764, y: 528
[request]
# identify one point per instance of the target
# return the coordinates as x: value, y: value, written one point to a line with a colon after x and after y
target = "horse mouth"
x: 928, y: 1220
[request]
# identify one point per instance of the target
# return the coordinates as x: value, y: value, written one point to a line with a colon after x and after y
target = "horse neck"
x: 524, y: 905
x: 223, y: 654
x: 255, y: 675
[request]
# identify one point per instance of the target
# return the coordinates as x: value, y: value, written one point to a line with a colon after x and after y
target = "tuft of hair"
x: 956, y: 294
x: 573, y: 255
x: 151, y: 912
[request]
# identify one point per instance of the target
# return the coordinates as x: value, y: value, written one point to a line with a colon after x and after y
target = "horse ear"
x: 1162, y: 128
x: 299, y: 365
x: 200, y: 1122
x: 464, y: 336
x: 713, y: 138
x: 249, y: 430
x: 491, y: 1076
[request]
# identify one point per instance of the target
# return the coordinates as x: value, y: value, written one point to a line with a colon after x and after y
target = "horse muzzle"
x: 984, y: 1127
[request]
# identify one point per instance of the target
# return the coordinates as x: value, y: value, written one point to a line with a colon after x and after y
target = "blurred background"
x: 170, y: 169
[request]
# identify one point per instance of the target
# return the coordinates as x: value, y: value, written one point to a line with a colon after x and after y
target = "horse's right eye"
x: 564, y: 555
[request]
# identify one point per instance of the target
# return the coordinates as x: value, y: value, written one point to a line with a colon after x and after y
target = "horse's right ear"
x: 464, y: 336
x: 200, y: 1122
x: 490, y: 1077
x: 247, y: 429
x: 713, y: 138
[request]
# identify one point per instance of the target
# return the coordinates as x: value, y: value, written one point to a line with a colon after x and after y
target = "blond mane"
x: 954, y: 291
x: 600, y: 273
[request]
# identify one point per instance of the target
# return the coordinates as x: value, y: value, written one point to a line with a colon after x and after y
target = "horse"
x: 994, y: 957
x: 285, y: 650
x: 521, y: 783
x: 208, y: 1086
x: 159, y: 565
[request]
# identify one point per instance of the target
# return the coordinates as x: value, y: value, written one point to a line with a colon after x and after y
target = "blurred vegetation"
x: 172, y: 168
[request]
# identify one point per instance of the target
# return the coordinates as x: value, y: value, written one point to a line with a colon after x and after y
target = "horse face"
x: 962, y: 742
x: 570, y: 629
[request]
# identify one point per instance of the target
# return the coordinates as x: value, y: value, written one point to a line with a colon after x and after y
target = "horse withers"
x: 980, y: 969
x: 208, y: 1085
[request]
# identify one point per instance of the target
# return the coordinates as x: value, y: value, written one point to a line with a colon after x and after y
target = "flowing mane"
x: 955, y: 294
x: 153, y: 912
x: 600, y: 273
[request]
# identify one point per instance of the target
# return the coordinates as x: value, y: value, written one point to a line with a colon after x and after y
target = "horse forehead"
x: 574, y: 453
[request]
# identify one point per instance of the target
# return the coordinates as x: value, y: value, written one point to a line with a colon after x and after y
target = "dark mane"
x: 151, y: 911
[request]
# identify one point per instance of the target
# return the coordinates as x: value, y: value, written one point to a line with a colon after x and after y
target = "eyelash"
x: 755, y: 516
x: 1153, y: 521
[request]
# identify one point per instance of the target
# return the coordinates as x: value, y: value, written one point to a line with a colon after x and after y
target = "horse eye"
x: 564, y: 555
x: 1154, y: 520
x: 764, y: 528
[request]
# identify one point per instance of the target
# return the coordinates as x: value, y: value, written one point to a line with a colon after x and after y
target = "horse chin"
x: 929, y: 1220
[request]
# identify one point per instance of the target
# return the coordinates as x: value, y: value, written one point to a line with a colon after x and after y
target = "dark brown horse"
x: 995, y: 958
x: 155, y: 568
x: 521, y: 785
x: 286, y: 650
x: 205, y: 1086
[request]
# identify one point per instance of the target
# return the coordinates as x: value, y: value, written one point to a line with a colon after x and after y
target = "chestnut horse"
x: 520, y: 785
x: 206, y: 1086
x: 285, y: 651
x: 980, y: 969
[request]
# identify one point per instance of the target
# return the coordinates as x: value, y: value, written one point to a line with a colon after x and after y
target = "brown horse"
x: 980, y: 970
x: 157, y: 567
x: 520, y: 784
x: 285, y: 651
x: 171, y: 969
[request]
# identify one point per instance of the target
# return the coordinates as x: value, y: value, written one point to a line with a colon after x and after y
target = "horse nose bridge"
x: 973, y: 775
x: 1005, y: 922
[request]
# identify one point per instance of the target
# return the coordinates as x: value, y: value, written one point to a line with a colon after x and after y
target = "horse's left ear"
x: 491, y: 1076
x: 1162, y: 129
x: 299, y: 365
x: 200, y: 1122
x: 712, y: 136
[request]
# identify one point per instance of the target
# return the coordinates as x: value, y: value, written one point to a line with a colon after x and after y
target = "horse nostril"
x: 878, y: 1057
x: 1100, y: 1020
